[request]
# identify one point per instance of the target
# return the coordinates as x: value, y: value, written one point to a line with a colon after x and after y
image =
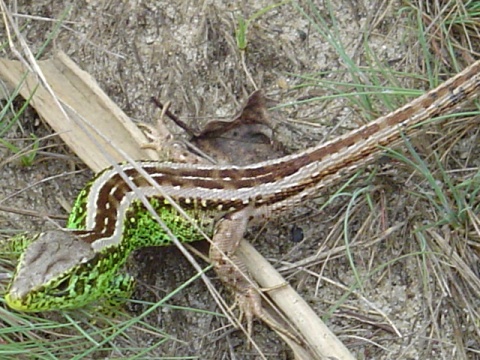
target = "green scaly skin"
x: 101, y: 278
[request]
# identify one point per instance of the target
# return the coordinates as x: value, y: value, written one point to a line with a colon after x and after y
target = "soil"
x: 185, y: 52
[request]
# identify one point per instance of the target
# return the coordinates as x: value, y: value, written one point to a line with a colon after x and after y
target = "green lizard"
x: 69, y: 269
x: 60, y: 270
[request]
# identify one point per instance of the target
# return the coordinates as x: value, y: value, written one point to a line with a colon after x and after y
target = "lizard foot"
x: 250, y: 304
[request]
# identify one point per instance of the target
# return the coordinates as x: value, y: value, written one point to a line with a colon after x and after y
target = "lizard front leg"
x: 229, y: 268
x: 233, y: 273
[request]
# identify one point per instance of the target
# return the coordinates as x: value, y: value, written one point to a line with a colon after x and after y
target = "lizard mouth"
x: 17, y: 303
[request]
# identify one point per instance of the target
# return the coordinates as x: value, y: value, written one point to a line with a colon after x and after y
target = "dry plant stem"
x: 87, y: 106
x: 317, y: 335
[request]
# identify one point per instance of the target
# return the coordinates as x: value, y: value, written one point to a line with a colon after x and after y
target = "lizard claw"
x: 250, y: 305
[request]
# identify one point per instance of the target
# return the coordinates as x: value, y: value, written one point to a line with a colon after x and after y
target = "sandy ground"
x: 185, y: 52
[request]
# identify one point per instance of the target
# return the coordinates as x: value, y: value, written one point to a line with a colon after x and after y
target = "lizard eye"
x: 61, y: 287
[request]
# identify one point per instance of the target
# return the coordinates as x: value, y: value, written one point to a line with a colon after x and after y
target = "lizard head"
x: 43, y: 276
